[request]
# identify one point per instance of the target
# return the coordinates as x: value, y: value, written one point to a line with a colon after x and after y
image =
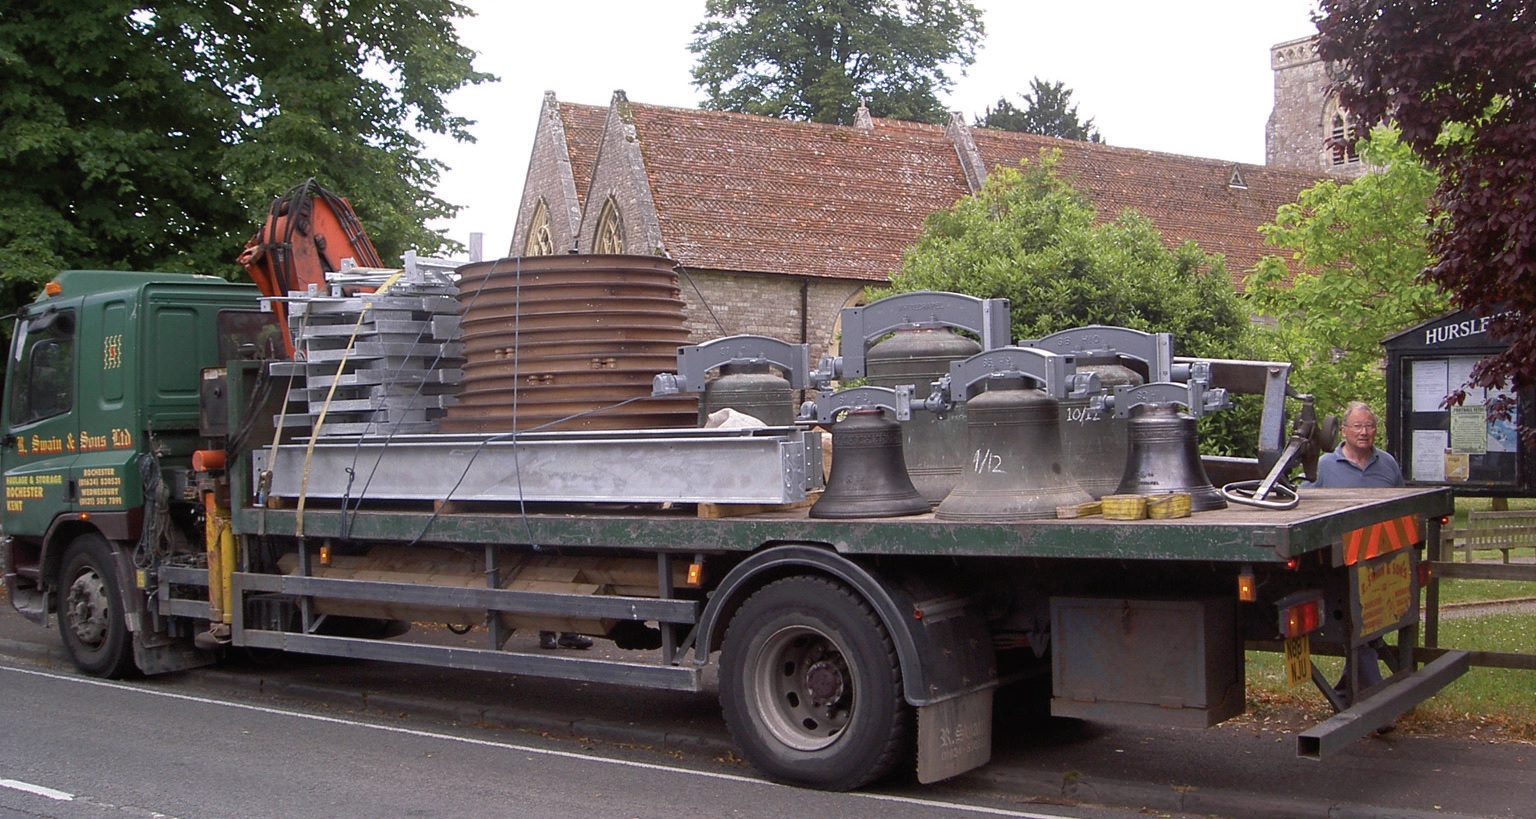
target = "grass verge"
x: 1486, y: 704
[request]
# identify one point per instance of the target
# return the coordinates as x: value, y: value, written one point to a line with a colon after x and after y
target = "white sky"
x: 1182, y: 76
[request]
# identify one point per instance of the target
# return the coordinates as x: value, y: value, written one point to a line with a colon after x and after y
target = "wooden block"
x: 552, y: 574
x: 715, y: 511
x: 559, y: 588
x: 1079, y: 510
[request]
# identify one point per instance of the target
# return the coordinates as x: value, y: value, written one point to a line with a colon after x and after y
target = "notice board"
x: 1470, y: 447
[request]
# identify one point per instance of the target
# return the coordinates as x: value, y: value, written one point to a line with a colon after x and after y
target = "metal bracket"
x: 1056, y: 374
x: 1194, y: 396
x: 987, y: 318
x: 1105, y: 341
x: 825, y: 408
x: 695, y: 361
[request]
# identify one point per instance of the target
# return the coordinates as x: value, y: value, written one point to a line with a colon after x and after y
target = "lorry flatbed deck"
x: 1235, y: 534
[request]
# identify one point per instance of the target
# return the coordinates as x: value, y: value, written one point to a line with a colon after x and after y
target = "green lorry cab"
x: 102, y: 403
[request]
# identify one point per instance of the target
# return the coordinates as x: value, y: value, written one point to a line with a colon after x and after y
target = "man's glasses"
x: 1359, y: 427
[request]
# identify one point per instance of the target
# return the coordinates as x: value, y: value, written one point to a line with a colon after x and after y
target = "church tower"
x: 1307, y: 128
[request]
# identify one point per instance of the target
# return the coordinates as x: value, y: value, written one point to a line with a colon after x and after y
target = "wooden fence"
x: 1513, y: 536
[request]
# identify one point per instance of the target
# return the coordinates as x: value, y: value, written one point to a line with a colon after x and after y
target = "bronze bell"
x: 869, y: 476
x: 1165, y: 457
x: 1014, y: 469
x: 1097, y: 443
x: 934, y: 446
x: 751, y: 388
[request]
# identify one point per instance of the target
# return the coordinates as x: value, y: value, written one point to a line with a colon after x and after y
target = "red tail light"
x: 1301, y: 618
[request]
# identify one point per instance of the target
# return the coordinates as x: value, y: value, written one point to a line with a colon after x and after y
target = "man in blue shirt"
x: 1357, y: 462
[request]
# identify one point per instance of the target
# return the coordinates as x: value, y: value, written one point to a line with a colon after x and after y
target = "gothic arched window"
x: 541, y: 239
x: 609, y: 236
x: 1343, y: 134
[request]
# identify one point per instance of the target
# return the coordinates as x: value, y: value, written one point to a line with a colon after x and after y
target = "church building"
x: 1308, y: 131
x: 776, y: 225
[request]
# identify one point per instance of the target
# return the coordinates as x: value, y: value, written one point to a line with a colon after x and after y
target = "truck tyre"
x: 810, y: 685
x: 91, y: 620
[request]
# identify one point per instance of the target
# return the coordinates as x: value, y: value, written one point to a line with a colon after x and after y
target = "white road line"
x: 37, y: 790
x: 507, y: 746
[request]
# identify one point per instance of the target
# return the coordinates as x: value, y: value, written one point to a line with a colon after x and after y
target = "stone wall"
x: 1300, y: 122
x: 768, y: 305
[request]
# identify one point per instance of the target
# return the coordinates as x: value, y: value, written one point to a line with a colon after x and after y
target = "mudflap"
x: 156, y: 653
x: 954, y: 736
x: 949, y: 670
x: 175, y: 656
x: 30, y: 602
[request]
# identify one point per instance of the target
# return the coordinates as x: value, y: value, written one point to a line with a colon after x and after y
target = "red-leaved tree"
x: 1459, y: 79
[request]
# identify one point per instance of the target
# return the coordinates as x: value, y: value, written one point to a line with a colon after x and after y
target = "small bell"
x: 1165, y: 457
x: 869, y: 475
x: 753, y: 389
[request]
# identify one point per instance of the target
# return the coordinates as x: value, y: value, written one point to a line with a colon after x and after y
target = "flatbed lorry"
x: 162, y: 508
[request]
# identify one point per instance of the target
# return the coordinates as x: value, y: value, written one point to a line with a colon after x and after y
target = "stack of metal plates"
x: 375, y: 363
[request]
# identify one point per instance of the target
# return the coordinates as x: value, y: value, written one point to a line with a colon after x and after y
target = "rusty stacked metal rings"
x: 549, y: 337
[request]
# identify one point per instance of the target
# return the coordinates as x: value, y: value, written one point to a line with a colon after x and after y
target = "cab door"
x: 41, y: 424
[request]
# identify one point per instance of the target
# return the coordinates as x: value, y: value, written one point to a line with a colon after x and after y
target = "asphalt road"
x: 158, y: 750
x: 1237, y: 770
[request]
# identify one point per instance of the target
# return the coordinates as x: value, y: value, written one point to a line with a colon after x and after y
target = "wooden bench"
x: 1503, y: 531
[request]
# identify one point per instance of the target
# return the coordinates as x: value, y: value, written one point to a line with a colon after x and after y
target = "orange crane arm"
x: 308, y: 232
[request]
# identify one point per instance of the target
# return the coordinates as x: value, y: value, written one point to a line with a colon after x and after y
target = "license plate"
x: 1298, y: 660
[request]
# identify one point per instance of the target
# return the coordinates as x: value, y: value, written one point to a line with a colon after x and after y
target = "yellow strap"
x: 314, y: 435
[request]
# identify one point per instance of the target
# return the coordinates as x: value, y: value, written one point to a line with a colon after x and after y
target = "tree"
x: 797, y: 59
x: 1031, y: 238
x: 1459, y: 81
x: 1048, y: 111
x: 1360, y: 247
x: 154, y: 135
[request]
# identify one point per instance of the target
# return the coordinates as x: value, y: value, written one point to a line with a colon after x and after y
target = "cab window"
x: 249, y: 334
x: 44, y: 368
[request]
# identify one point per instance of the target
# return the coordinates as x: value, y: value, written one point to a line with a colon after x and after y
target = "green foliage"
x: 1029, y: 237
x: 1360, y: 248
x: 154, y: 136
x: 1459, y: 81
x: 1048, y: 111
x: 797, y: 59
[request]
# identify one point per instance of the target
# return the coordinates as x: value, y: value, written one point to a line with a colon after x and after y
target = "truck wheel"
x: 811, y: 686
x: 91, y: 619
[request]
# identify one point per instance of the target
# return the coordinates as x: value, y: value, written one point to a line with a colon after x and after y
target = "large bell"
x: 869, y: 476
x: 1165, y: 457
x: 934, y: 447
x: 1095, y: 442
x: 1014, y: 468
x: 753, y: 389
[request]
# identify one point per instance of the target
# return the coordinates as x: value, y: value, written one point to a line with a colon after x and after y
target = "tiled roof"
x: 747, y: 193
x: 583, y: 133
x: 1186, y: 197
